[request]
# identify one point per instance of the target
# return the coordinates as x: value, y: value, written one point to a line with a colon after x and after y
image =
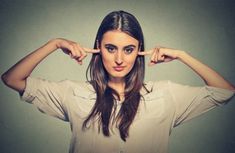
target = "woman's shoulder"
x: 79, y: 85
x: 158, y: 84
x: 155, y: 87
x: 81, y: 88
x: 61, y: 83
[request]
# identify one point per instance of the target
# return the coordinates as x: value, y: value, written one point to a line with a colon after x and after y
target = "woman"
x: 115, y: 111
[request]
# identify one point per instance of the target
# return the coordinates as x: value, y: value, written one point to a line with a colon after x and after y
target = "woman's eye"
x: 129, y: 50
x: 110, y: 49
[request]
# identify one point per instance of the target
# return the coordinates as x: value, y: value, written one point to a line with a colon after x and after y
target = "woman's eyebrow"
x: 128, y: 46
x: 111, y: 45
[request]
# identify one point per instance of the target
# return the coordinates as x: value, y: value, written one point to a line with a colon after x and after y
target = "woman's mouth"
x: 119, y: 68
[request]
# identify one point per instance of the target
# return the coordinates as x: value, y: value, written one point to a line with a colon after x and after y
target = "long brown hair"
x: 105, y: 106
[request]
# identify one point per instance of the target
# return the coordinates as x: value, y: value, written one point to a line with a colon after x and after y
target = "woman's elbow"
x: 18, y: 85
x: 5, y: 79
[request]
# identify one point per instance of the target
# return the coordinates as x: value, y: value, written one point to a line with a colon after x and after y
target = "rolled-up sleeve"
x: 193, y: 101
x: 47, y: 96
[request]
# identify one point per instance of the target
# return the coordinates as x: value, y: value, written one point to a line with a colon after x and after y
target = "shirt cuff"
x: 30, y: 90
x: 220, y: 94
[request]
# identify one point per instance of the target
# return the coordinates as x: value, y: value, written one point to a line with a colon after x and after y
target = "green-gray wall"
x: 203, y: 28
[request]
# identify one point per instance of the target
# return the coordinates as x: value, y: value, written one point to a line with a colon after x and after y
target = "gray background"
x: 203, y: 28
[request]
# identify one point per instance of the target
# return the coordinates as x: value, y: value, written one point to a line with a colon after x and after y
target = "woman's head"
x: 119, y: 38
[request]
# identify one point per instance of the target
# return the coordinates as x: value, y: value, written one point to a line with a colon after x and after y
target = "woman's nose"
x: 119, y: 58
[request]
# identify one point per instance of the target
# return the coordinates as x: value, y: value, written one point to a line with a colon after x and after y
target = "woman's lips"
x: 119, y: 68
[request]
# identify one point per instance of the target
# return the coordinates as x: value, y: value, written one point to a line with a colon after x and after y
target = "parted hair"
x: 104, y: 109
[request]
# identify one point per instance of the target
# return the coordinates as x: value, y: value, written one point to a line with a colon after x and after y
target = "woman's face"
x: 119, y: 51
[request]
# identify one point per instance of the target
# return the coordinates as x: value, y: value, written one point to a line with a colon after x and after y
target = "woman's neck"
x: 118, y: 84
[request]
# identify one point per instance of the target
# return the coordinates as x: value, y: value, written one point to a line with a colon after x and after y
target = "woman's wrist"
x: 181, y: 55
x: 53, y: 44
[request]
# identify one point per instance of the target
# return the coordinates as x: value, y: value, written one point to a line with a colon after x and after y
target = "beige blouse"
x: 166, y: 106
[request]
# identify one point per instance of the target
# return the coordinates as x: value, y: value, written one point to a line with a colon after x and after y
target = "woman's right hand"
x: 74, y: 50
x: 15, y: 77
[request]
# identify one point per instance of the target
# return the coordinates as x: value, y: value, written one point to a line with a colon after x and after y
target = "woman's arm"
x: 210, y: 77
x: 15, y: 77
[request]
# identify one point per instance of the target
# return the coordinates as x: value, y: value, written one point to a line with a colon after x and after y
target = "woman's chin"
x: 117, y: 76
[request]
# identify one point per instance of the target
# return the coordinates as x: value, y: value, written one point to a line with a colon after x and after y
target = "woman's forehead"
x: 119, y: 38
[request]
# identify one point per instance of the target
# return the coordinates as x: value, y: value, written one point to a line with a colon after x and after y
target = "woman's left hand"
x: 210, y: 77
x: 161, y: 55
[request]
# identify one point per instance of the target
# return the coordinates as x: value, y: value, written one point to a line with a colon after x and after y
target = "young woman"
x: 115, y: 110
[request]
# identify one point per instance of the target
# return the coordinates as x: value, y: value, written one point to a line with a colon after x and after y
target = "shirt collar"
x: 87, y: 91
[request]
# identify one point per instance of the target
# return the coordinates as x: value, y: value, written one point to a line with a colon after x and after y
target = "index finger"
x: 143, y: 53
x: 89, y: 50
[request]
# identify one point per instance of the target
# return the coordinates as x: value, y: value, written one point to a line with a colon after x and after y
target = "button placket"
x: 121, y: 146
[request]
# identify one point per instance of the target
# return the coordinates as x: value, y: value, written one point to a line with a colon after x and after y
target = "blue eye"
x: 129, y: 50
